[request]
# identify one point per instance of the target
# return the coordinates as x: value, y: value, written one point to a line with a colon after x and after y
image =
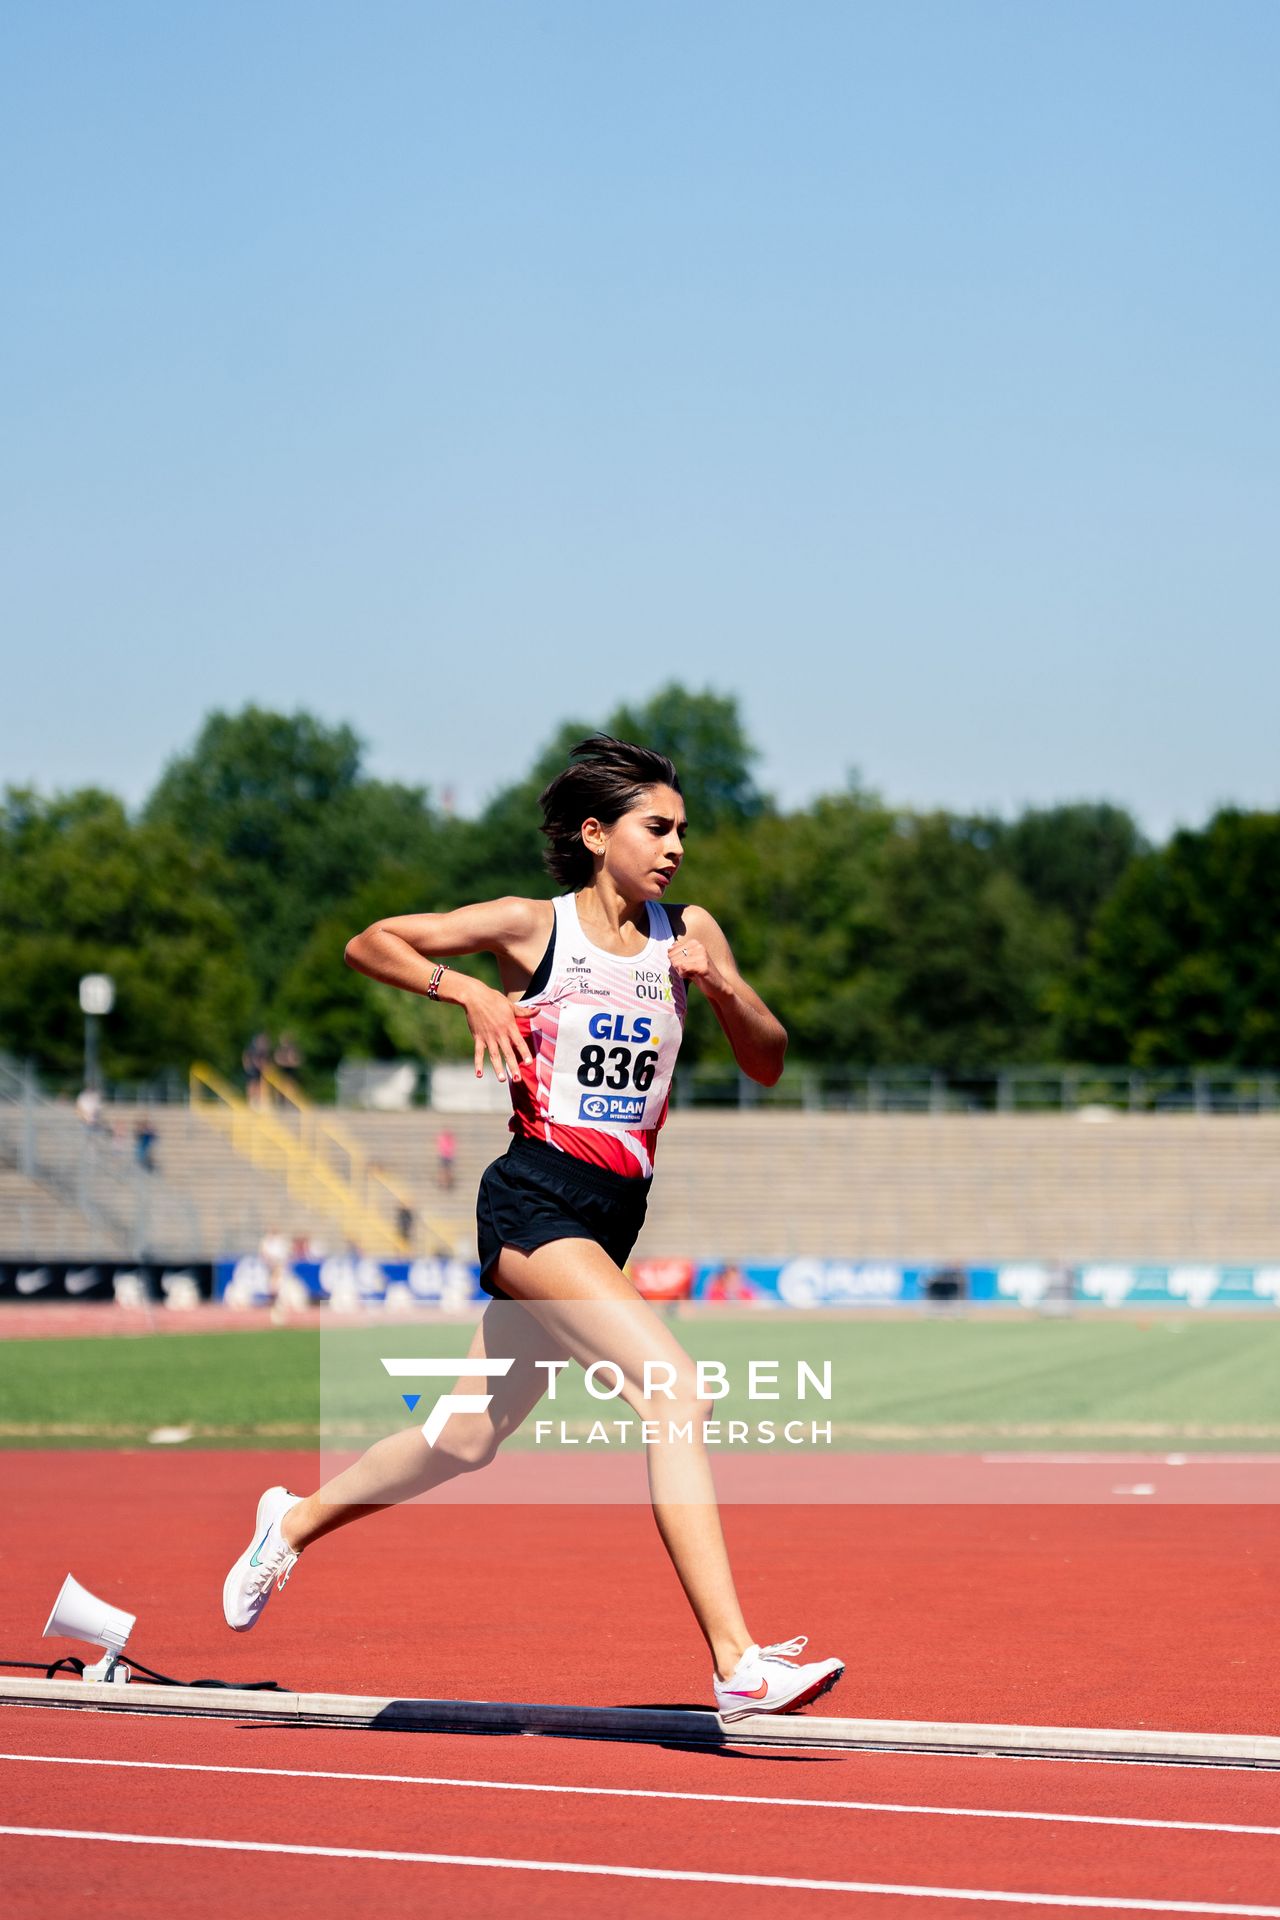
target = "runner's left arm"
x: 758, y: 1038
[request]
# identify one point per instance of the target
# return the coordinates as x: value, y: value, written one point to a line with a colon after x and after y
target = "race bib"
x: 612, y: 1069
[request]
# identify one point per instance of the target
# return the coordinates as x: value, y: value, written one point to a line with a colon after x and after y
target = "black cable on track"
x: 69, y: 1663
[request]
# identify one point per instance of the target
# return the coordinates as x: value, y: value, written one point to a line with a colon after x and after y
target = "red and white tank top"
x: 604, y: 1030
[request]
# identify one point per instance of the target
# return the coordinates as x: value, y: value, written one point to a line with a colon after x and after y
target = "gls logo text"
x: 448, y: 1403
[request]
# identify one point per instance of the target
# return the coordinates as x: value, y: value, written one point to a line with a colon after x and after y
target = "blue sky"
x: 908, y: 370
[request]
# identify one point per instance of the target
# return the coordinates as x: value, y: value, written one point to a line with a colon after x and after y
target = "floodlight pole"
x: 91, y: 1079
x: 97, y: 996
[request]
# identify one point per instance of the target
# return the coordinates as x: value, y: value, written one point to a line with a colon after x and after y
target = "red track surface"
x: 1105, y: 1616
x: 791, y: 1841
x: 1063, y: 1615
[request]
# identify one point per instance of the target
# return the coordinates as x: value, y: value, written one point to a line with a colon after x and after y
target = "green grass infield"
x: 1143, y: 1383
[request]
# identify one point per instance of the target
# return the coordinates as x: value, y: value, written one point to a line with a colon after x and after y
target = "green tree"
x: 704, y: 735
x: 501, y: 851
x: 799, y: 896
x: 971, y: 963
x: 335, y: 1013
x: 881, y: 938
x: 281, y: 797
x: 1183, y: 965
x: 1067, y: 858
x: 84, y: 890
x: 327, y: 1008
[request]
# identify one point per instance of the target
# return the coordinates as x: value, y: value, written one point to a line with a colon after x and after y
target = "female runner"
x: 586, y: 1030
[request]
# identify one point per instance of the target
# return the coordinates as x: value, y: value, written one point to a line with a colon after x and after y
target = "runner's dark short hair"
x: 604, y: 779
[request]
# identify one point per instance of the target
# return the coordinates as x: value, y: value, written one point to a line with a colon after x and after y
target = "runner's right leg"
x: 404, y: 1465
x: 397, y: 1468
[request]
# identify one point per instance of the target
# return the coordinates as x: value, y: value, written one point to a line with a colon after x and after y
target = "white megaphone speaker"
x: 80, y: 1615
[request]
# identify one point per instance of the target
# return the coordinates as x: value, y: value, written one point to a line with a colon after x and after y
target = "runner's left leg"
x: 588, y: 1308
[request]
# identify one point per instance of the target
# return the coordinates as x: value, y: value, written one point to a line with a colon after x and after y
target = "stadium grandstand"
x: 1094, y: 1184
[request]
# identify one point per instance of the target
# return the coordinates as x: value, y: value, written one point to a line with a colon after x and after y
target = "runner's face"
x: 644, y: 846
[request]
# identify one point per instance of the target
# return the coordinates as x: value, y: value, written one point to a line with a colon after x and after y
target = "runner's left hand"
x: 690, y: 959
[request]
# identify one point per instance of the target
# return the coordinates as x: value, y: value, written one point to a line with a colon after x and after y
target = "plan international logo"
x: 604, y: 1381
x: 626, y: 1107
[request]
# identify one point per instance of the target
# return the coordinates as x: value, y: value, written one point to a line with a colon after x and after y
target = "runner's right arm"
x: 403, y: 951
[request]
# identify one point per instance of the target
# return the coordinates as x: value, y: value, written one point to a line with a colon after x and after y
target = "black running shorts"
x: 536, y: 1193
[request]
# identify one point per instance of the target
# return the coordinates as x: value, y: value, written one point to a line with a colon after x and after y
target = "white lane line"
x: 669, y: 1874
x: 1130, y: 1459
x: 654, y: 1793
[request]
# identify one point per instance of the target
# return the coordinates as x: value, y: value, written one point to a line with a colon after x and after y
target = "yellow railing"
x: 327, y: 1140
x: 285, y: 1134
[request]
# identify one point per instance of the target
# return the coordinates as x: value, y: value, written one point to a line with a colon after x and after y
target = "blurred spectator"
x: 728, y: 1283
x: 404, y: 1224
x: 89, y: 1108
x: 273, y: 1251
x: 947, y: 1289
x: 446, y: 1151
x: 947, y: 1286
x: 1060, y: 1290
x: 144, y: 1144
x: 287, y: 1057
x: 255, y: 1057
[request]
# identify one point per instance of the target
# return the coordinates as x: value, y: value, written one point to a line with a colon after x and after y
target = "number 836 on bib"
x: 613, y: 1068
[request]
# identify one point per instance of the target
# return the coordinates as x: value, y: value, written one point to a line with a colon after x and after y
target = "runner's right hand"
x: 492, y: 1021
